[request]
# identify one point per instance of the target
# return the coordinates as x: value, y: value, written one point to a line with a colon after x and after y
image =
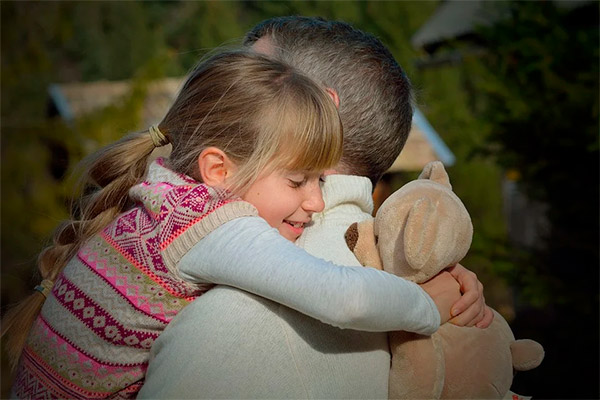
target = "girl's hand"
x: 444, y: 289
x: 471, y: 309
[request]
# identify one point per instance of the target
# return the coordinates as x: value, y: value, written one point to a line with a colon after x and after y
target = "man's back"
x: 223, y: 345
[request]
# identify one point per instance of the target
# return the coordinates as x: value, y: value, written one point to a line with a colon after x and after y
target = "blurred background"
x: 507, y: 94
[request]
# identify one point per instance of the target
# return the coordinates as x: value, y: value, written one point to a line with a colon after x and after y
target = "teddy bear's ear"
x: 420, y: 233
x: 360, y: 239
x: 436, y: 172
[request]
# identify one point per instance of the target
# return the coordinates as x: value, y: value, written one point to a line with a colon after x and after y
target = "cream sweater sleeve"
x: 248, y: 254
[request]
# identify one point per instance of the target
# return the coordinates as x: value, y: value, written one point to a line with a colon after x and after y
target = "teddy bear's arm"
x: 527, y: 354
x: 418, y: 366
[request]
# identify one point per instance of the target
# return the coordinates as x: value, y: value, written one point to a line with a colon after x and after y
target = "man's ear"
x: 334, y: 96
x: 214, y: 166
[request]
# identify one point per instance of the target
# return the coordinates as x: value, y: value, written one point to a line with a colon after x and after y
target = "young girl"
x: 250, y: 139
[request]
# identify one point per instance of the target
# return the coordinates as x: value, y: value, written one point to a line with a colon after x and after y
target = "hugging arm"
x: 248, y: 254
x: 471, y: 309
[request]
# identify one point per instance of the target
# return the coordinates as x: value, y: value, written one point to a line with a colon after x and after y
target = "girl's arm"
x: 248, y: 254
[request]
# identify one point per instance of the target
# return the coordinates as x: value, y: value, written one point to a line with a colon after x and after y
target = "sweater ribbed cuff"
x: 182, y: 244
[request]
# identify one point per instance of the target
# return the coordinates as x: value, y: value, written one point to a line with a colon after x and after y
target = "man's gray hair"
x: 374, y: 92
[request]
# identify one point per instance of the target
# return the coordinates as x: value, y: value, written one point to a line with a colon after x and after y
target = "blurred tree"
x: 41, y: 43
x: 193, y: 28
x: 102, y: 27
x: 537, y: 86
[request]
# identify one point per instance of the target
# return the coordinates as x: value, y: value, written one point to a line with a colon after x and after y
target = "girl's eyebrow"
x: 305, y: 171
x: 295, y: 172
x: 296, y: 176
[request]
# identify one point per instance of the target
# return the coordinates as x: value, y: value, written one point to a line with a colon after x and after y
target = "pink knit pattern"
x: 110, y: 303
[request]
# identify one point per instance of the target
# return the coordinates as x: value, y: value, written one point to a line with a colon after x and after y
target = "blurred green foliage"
x: 537, y: 88
x: 528, y: 105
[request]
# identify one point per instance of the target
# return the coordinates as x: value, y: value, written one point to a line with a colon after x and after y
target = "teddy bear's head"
x: 419, y: 230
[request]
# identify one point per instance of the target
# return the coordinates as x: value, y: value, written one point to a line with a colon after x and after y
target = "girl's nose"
x: 313, y: 202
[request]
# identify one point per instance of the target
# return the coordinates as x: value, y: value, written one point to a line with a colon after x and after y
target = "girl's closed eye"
x: 297, y: 181
x: 297, y: 184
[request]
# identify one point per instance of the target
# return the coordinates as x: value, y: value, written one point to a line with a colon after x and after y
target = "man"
x: 230, y: 344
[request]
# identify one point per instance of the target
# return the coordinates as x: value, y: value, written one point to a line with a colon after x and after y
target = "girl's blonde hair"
x: 259, y: 112
x: 262, y: 113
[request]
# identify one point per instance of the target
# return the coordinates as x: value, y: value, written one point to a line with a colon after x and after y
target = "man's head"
x: 374, y: 93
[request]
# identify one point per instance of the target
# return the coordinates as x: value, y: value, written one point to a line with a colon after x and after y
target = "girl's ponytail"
x: 109, y: 174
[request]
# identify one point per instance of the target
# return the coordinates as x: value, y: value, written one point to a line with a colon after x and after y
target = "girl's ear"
x: 214, y: 166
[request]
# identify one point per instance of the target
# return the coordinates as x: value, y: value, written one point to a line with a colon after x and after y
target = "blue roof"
x: 439, y: 147
x: 61, y: 103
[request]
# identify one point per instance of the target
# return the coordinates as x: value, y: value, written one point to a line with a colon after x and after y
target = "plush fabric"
x: 93, y: 336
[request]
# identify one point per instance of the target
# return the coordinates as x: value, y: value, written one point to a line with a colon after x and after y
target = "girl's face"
x: 287, y: 200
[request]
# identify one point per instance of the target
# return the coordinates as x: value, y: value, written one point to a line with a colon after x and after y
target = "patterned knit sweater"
x: 93, y: 336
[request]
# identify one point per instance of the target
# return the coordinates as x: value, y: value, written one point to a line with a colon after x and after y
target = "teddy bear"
x: 421, y: 229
